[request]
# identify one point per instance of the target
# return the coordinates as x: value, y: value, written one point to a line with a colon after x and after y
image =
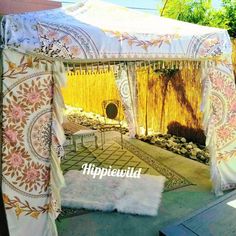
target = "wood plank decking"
x: 218, y: 218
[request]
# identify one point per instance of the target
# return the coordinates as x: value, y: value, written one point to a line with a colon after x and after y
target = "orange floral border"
x: 24, y: 207
x: 131, y: 39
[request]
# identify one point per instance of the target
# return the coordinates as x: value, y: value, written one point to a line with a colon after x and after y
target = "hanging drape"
x: 219, y: 109
x: 32, y: 143
x: 126, y: 84
x: 90, y: 84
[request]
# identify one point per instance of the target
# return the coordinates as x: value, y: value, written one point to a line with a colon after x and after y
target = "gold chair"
x: 111, y: 110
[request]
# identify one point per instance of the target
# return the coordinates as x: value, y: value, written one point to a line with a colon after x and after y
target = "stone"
x: 163, y: 144
x: 172, y: 139
x: 195, y: 151
x: 158, y: 142
x: 183, y: 140
x: 179, y: 152
x: 193, y: 157
x: 177, y: 140
x: 201, y: 157
x: 207, y: 155
x: 189, y: 146
x: 172, y: 143
x: 183, y: 150
x: 168, y: 145
x: 153, y: 140
x: 167, y: 136
x: 175, y: 150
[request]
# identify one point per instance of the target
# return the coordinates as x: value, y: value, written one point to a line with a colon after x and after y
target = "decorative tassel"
x: 103, y: 67
x: 168, y: 65
x: 135, y: 66
x: 154, y: 66
x: 188, y: 65
x: 163, y: 65
x: 67, y: 67
x: 98, y: 68
x: 198, y: 65
x: 29, y: 61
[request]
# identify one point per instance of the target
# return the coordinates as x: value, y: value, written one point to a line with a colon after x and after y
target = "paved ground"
x: 175, y: 204
x: 112, y: 155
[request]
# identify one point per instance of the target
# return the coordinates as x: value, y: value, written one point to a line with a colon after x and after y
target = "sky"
x: 150, y: 5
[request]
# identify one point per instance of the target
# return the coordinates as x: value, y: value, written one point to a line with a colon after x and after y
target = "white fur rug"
x: 140, y: 196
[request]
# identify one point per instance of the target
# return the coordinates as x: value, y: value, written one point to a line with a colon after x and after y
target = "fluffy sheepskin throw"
x: 140, y: 196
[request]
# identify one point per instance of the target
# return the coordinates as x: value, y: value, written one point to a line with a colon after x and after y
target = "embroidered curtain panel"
x: 31, y: 144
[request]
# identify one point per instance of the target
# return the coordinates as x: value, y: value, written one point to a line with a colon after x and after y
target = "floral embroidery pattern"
x: 40, y: 135
x: 145, y: 44
x: 72, y: 42
x: 211, y: 46
x: 24, y: 207
x: 224, y: 112
x: 26, y: 127
x: 15, y: 70
x: 28, y: 137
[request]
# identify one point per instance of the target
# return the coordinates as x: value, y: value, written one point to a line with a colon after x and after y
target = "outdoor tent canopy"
x: 35, y: 46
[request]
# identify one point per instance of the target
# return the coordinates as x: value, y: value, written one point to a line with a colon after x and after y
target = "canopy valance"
x: 84, y: 32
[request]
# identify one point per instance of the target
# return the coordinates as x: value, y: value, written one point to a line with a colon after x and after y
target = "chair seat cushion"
x: 85, y: 132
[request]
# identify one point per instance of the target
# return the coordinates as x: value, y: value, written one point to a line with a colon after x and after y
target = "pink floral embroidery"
x: 66, y: 40
x: 224, y: 133
x: 75, y: 50
x: 233, y: 107
x: 16, y: 160
x: 232, y: 121
x: 17, y: 112
x: 219, y: 83
x: 24, y: 166
x: 33, y: 96
x: 52, y: 34
x: 11, y: 136
x: 32, y: 175
x: 229, y: 91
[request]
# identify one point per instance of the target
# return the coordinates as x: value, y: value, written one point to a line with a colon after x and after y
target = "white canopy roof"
x: 98, y: 30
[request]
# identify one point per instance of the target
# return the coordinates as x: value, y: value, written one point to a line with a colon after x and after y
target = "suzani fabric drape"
x: 219, y: 109
x: 31, y: 147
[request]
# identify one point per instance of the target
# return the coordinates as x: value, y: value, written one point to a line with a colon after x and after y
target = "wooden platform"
x: 218, y: 218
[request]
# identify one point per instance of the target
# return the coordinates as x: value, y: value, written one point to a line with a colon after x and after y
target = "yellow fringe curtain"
x: 173, y: 99
x: 87, y: 89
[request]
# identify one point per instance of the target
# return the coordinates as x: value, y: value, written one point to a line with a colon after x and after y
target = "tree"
x: 201, y: 12
x: 229, y: 7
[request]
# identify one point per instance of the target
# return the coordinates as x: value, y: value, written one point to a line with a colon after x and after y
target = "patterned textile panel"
x: 27, y: 118
x: 221, y: 124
